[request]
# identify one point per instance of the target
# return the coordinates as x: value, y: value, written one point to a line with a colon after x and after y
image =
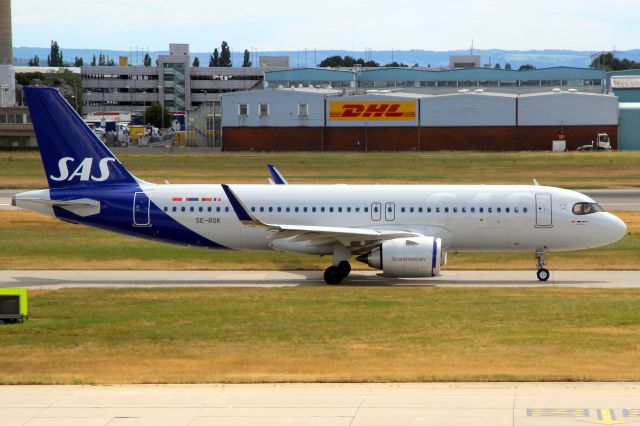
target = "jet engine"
x: 406, y: 257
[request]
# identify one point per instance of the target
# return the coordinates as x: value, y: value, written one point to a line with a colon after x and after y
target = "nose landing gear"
x: 543, y: 273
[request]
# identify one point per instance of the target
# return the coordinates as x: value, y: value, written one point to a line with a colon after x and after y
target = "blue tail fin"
x: 71, y: 153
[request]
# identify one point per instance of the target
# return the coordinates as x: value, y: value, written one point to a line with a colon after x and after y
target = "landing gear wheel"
x: 333, y: 275
x: 345, y: 268
x: 543, y: 274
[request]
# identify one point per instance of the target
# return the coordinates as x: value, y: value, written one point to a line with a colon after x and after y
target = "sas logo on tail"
x: 372, y: 111
x: 83, y: 170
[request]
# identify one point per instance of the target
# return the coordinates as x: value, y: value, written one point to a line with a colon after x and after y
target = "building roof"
x: 309, y: 74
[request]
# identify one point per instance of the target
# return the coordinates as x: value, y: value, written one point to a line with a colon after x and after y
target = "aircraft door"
x: 544, y: 215
x: 376, y: 211
x: 389, y: 211
x: 141, y: 214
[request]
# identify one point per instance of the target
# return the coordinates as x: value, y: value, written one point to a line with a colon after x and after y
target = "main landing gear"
x: 543, y: 273
x: 335, y: 274
x: 340, y: 267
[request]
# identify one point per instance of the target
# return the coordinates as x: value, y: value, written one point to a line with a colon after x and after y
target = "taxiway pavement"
x: 442, y: 404
x: 56, y: 279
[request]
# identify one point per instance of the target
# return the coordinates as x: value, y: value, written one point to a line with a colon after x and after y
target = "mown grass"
x: 324, y: 334
x: 568, y: 170
x: 33, y: 241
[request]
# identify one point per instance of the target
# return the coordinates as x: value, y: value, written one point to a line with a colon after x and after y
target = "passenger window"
x: 174, y: 209
x: 270, y: 209
x: 322, y: 209
x: 182, y: 209
x: 296, y: 209
x: 313, y: 209
x: 366, y: 210
x: 261, y: 209
x: 339, y: 209
x: 304, y: 209
x: 481, y: 209
x: 218, y: 209
x: 437, y: 209
x: 473, y: 209
x: 279, y: 209
x: 410, y: 209
x: 401, y: 209
x: 209, y: 209
x: 226, y: 209
x: 331, y: 209
x: 464, y: 210
x: 446, y: 209
x: 515, y: 209
x: 348, y: 209
x: 166, y: 208
x: 288, y: 209
x: 499, y: 209
x: 428, y: 209
x: 357, y: 209
x: 489, y: 209
x: 253, y: 209
x: 420, y: 209
x: 455, y: 210
x: 524, y: 210
x: 200, y: 209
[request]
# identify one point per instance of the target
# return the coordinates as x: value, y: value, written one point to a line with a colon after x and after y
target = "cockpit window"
x: 586, y: 208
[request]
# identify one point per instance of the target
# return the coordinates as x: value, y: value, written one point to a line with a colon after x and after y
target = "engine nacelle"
x: 407, y: 257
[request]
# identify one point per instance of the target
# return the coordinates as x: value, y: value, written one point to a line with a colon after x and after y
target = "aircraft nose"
x: 618, y: 228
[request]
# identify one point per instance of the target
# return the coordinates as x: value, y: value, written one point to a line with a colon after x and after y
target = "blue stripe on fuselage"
x: 116, y: 215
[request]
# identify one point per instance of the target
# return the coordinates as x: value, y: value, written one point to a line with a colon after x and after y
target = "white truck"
x: 602, y: 143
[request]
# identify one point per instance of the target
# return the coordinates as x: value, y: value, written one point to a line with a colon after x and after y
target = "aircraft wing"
x: 360, y: 237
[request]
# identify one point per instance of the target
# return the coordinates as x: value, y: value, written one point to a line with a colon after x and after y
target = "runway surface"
x: 609, y: 199
x: 84, y: 278
x: 494, y: 404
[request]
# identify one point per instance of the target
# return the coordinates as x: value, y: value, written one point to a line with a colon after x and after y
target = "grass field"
x: 33, y: 241
x: 568, y: 170
x: 324, y: 334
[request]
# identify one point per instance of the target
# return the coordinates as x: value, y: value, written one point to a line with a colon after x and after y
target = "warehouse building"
x: 382, y: 120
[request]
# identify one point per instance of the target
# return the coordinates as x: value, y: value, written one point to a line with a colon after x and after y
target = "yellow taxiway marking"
x: 606, y: 416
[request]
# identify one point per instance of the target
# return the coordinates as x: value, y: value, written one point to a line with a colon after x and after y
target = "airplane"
x: 403, y: 230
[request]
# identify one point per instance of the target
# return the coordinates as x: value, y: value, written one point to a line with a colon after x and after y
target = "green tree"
x: 246, y: 62
x: 196, y: 62
x: 526, y: 67
x: 147, y: 60
x: 507, y: 66
x: 93, y: 61
x: 225, y: 55
x: 497, y: 66
x: 78, y: 62
x: 332, y: 61
x: 55, y: 56
x: 396, y: 64
x: 214, y: 59
x: 153, y: 115
x: 607, y: 61
x: 35, y: 62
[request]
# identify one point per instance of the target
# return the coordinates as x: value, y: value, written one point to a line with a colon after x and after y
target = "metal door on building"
x: 389, y: 211
x: 141, y: 214
x: 376, y: 211
x: 544, y: 215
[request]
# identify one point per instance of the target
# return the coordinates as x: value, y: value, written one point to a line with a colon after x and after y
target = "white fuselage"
x: 465, y: 217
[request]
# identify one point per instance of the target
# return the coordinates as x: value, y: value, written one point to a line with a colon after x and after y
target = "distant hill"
x: 539, y: 58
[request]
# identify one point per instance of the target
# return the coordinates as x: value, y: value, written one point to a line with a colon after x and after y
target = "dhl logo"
x: 368, y: 110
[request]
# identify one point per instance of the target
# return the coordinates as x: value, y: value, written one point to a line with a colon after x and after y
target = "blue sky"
x: 329, y: 24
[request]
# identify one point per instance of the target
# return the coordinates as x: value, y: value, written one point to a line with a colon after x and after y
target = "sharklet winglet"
x: 240, y: 209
